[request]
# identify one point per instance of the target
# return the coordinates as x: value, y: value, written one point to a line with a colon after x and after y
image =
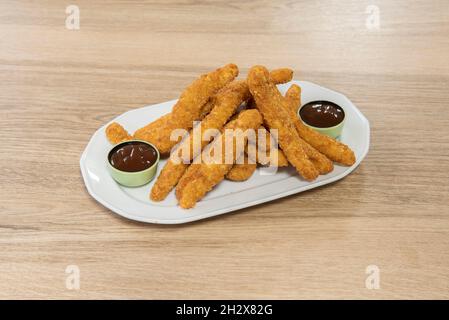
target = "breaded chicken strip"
x: 226, y: 103
x: 263, y: 150
x: 282, y: 75
x: 188, y: 109
x: 207, y: 107
x: 333, y: 149
x: 116, y: 133
x: 277, y: 76
x: 292, y: 101
x: 293, y: 97
x: 241, y: 171
x: 269, y: 102
x: 200, y: 178
x: 280, y: 162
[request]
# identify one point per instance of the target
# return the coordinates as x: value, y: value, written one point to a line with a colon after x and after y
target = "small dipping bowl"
x: 329, y: 120
x: 133, y: 178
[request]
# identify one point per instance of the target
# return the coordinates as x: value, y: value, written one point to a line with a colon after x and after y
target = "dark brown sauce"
x: 132, y: 156
x: 322, y: 114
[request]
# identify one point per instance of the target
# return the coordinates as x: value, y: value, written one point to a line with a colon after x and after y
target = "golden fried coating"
x: 207, y: 107
x: 200, y: 178
x: 189, y: 108
x: 267, y: 143
x: 226, y: 103
x: 241, y: 171
x: 293, y: 97
x: 269, y: 102
x: 267, y: 161
x: 167, y: 179
x: 277, y: 76
x: 282, y: 75
x: 282, y: 159
x: 263, y: 150
x: 331, y: 148
x: 320, y: 161
x: 116, y: 133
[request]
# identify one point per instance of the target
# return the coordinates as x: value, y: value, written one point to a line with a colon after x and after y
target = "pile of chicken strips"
x: 219, y: 101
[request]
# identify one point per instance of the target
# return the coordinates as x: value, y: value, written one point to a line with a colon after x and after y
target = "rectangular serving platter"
x: 134, y: 203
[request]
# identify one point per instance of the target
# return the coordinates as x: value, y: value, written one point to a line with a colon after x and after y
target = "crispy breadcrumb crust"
x: 116, y: 133
x: 331, y: 148
x: 292, y: 101
x: 226, y: 103
x: 269, y: 102
x: 202, y: 177
x: 188, y: 109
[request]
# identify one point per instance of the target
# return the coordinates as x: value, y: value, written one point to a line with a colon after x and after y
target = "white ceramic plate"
x: 134, y: 203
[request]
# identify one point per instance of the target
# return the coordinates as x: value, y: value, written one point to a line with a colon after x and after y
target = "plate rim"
x: 233, y: 208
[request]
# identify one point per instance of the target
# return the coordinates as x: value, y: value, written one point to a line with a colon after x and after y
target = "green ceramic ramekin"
x: 133, y: 179
x: 333, y: 132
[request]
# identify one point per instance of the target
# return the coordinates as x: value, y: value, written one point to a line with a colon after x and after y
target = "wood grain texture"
x: 58, y: 86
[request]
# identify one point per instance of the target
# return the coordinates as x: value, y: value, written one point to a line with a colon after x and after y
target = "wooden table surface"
x: 57, y: 86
